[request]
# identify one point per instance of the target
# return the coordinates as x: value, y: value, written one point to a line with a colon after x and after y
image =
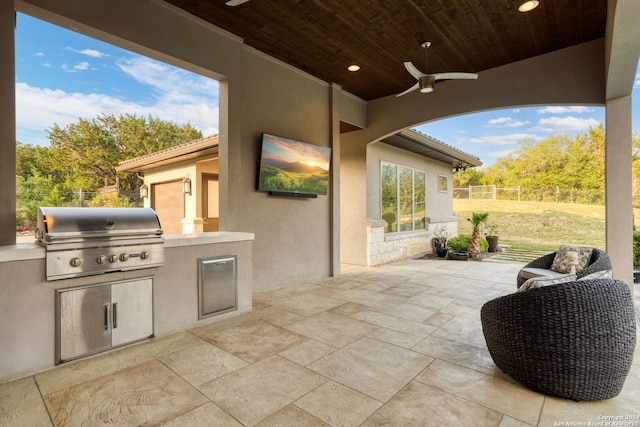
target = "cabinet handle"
x: 115, y: 315
x: 106, y: 317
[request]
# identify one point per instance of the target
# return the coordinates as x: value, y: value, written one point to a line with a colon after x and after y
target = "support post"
x: 618, y: 191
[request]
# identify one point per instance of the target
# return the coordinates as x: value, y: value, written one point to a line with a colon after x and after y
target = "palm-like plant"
x: 477, y: 220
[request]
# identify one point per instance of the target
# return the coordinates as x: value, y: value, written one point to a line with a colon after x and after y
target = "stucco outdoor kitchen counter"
x: 27, y: 306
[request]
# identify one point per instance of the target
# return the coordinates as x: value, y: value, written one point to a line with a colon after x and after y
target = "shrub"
x: 462, y: 241
x: 636, y: 249
x: 114, y: 200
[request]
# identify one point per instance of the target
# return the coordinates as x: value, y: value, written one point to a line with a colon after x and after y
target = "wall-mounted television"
x: 293, y: 168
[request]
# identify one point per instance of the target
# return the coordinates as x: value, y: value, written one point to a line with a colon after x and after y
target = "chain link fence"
x: 534, y: 194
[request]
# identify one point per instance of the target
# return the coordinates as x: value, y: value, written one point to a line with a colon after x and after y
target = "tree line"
x: 82, y: 156
x: 575, y: 165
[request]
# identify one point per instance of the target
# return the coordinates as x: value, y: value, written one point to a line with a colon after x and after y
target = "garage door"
x: 167, y: 199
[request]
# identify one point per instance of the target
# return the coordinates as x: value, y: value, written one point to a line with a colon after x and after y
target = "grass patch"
x: 537, y: 226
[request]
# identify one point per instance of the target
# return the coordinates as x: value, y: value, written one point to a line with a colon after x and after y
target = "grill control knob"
x: 112, y: 258
x: 75, y: 261
x: 144, y: 255
x: 101, y: 259
x: 124, y: 257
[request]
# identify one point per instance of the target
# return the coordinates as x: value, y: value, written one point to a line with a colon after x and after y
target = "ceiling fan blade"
x: 456, y: 76
x: 411, y: 89
x: 413, y: 70
x: 235, y: 2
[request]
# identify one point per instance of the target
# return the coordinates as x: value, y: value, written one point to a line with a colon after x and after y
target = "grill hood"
x: 91, y: 241
x: 71, y: 223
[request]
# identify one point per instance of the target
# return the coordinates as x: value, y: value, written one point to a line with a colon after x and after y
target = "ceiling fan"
x: 235, y: 2
x: 426, y: 81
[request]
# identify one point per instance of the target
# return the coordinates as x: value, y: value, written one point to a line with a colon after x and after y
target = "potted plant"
x: 492, y: 236
x: 477, y: 220
x: 459, y: 247
x: 439, y: 241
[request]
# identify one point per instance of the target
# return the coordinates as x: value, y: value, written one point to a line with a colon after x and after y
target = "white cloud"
x: 566, y: 124
x: 89, y: 52
x: 170, y: 84
x: 38, y: 109
x: 81, y: 66
x: 500, y: 121
x: 510, y: 139
x: 39, y: 54
x: 518, y: 123
x: 559, y: 109
x: 506, y: 122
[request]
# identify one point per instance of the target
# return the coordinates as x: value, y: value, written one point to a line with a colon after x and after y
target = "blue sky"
x: 62, y: 76
x: 493, y: 134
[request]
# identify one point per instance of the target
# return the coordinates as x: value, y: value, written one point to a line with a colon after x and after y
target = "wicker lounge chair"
x: 573, y: 340
x: 599, y: 261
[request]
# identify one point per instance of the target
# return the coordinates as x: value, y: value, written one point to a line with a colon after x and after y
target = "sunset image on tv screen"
x: 287, y: 165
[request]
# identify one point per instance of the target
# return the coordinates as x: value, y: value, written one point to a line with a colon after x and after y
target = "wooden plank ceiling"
x: 323, y: 37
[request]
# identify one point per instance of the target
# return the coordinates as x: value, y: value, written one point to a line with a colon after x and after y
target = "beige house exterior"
x: 181, y: 184
x: 366, y: 239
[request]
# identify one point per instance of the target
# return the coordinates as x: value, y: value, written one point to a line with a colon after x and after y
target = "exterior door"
x: 210, y: 202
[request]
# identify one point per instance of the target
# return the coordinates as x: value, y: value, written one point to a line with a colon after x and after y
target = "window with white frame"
x: 403, y: 198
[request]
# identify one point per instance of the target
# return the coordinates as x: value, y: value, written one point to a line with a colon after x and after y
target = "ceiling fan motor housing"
x: 426, y: 83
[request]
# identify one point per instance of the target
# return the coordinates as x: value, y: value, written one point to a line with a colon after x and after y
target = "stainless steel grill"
x: 90, y: 241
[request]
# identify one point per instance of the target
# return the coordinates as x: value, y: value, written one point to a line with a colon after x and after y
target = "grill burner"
x: 90, y: 241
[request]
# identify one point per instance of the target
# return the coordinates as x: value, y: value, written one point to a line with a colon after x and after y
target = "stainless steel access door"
x: 82, y: 322
x: 95, y: 318
x: 217, y: 285
x: 132, y: 311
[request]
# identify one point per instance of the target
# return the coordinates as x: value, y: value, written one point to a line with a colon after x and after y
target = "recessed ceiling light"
x: 528, y: 6
x: 353, y: 67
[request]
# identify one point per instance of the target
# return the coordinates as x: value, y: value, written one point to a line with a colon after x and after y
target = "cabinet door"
x: 83, y: 322
x: 217, y: 285
x: 132, y: 310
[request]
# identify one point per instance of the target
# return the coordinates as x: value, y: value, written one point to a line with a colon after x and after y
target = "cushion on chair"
x: 599, y: 261
x: 538, y: 282
x: 561, y: 260
x: 603, y: 274
x: 531, y: 272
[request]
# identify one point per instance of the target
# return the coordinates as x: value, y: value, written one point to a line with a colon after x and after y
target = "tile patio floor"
x: 399, y: 344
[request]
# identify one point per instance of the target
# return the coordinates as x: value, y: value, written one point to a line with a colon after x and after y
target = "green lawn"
x: 537, y: 226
